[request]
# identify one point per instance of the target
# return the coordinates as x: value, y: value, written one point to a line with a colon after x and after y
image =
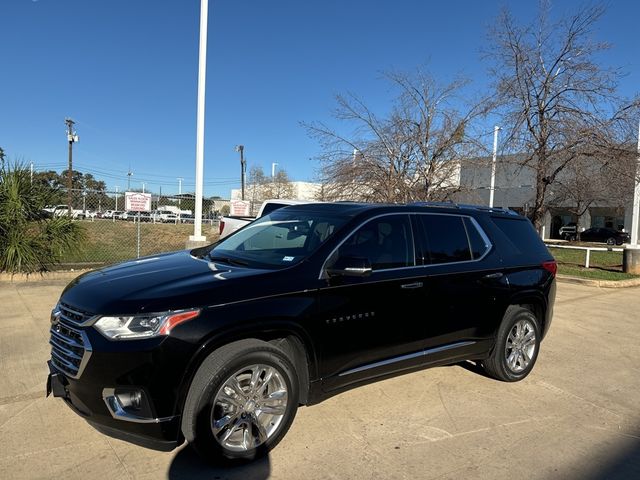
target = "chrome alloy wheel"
x: 520, y: 346
x: 249, y: 407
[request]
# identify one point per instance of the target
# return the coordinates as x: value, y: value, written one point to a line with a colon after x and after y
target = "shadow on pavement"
x: 188, y: 465
x: 625, y: 465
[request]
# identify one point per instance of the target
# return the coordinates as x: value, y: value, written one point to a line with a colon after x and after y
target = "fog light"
x: 128, y: 404
x: 131, y: 400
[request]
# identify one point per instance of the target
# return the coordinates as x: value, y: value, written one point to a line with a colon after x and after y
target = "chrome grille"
x: 70, y: 347
x: 72, y: 316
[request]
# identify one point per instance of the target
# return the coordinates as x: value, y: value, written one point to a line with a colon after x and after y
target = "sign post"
x: 137, y: 202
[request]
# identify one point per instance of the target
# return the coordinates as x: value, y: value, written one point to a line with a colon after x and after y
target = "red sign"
x: 137, y: 202
x: 240, y: 208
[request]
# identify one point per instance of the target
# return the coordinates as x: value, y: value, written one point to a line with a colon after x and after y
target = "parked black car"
x: 220, y: 345
x: 606, y: 235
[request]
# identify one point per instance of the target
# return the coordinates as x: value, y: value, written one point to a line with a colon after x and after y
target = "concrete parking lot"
x: 576, y: 416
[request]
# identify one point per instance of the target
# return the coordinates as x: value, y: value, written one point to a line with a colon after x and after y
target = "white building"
x: 302, y: 191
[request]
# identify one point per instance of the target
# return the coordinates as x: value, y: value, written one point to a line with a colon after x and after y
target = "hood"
x: 157, y: 283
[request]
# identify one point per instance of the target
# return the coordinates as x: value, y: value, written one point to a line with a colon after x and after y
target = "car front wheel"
x: 516, y: 348
x: 241, y: 402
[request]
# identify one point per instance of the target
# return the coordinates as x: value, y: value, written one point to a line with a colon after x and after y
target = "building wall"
x: 302, y: 191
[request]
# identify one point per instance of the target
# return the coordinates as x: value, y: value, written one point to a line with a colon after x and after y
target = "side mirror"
x: 350, y: 267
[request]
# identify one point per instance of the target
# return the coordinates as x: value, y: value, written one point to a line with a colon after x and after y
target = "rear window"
x: 271, y: 206
x: 521, y: 236
x: 446, y: 238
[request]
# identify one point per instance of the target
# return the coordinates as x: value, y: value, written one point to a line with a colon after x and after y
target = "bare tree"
x: 585, y: 183
x: 412, y: 153
x: 559, y: 104
x: 261, y: 187
x: 279, y: 186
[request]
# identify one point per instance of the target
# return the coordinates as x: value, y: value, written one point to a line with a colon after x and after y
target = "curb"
x: 632, y: 282
x: 41, y: 277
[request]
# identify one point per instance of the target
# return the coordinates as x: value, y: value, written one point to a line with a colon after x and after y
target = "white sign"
x: 137, y: 202
x: 239, y: 208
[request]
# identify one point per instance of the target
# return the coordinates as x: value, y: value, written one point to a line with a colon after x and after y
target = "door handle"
x: 409, y: 286
x: 493, y: 276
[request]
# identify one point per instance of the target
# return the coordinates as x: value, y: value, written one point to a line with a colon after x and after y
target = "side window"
x: 477, y: 243
x: 385, y: 241
x: 446, y: 237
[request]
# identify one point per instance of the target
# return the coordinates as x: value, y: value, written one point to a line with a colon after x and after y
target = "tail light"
x: 221, y: 227
x: 551, y: 267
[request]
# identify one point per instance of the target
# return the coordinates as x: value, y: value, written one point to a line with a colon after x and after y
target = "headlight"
x: 142, y: 326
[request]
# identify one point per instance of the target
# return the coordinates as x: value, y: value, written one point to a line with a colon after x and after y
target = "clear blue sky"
x: 126, y: 71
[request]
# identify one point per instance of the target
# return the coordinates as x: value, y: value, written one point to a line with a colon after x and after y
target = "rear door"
x: 466, y: 283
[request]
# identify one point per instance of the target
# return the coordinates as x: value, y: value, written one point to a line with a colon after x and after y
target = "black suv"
x: 220, y: 345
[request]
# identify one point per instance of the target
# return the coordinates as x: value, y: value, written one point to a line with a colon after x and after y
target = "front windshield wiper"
x: 229, y: 260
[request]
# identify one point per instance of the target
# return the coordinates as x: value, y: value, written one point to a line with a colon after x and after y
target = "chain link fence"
x: 113, y: 234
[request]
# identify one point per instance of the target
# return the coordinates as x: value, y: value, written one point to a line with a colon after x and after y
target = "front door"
x: 367, y: 323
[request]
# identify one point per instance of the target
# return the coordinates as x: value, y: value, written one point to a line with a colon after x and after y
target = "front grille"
x: 73, y: 316
x: 70, y: 348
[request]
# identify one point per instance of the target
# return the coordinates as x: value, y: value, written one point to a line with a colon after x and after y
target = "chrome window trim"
x: 323, y: 274
x: 409, y: 356
x: 475, y: 223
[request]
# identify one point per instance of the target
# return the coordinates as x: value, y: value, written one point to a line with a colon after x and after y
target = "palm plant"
x: 31, y: 241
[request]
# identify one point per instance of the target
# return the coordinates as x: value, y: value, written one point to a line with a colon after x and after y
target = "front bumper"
x: 92, y: 396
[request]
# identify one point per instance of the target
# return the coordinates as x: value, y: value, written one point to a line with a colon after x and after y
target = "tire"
x: 508, y: 362
x: 224, y: 418
x: 611, y: 241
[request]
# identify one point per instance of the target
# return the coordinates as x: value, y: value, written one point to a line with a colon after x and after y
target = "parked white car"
x: 164, y: 216
x: 62, y: 210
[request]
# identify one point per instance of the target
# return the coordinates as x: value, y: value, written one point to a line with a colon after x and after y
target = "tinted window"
x: 385, y: 241
x: 478, y: 244
x: 522, y: 236
x: 446, y: 238
x: 279, y: 239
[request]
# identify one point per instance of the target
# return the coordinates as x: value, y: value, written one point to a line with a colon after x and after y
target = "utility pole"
x: 143, y: 187
x: 273, y: 170
x: 72, y: 137
x: 117, y: 187
x: 243, y: 167
x: 492, y: 188
x: 129, y: 173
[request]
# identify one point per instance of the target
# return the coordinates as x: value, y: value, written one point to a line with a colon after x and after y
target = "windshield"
x: 280, y: 239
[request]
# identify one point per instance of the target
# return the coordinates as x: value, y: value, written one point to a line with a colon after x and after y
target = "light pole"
x: 631, y: 255
x: 635, y: 214
x: 243, y: 168
x: 202, y: 76
x: 492, y: 188
x: 273, y: 170
x: 180, y: 192
x: 117, y: 187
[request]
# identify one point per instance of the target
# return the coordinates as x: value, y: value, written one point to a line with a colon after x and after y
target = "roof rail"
x: 484, y: 208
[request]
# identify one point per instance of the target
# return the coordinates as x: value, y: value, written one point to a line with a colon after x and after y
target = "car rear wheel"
x: 516, y: 348
x: 241, y: 402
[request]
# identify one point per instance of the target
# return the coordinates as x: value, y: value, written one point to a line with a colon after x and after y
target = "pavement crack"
x: 560, y: 391
x: 119, y: 459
